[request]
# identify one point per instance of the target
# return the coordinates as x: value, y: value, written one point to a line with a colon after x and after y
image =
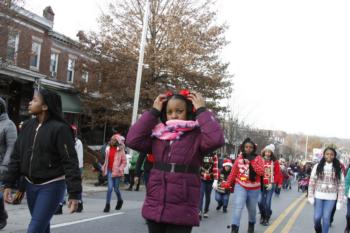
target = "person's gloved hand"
x: 311, y: 201
x: 215, y: 184
x: 225, y: 185
x: 268, y: 186
x: 338, y: 206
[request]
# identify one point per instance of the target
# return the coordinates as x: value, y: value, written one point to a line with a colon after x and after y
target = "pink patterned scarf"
x: 173, y: 129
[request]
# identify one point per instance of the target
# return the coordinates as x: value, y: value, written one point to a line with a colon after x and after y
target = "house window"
x: 53, y: 65
x: 35, y: 56
x: 85, y: 76
x: 70, y: 70
x: 12, y: 46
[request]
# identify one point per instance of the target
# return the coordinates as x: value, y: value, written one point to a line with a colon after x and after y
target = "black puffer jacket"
x: 45, y: 154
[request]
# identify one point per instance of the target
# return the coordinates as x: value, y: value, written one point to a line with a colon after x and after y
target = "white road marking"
x: 84, y: 220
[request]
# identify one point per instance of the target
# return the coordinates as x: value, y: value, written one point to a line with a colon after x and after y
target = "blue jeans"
x: 323, y: 210
x: 242, y: 197
x: 43, y: 201
x: 222, y: 198
x: 113, y: 183
x: 264, y: 202
x: 206, y: 188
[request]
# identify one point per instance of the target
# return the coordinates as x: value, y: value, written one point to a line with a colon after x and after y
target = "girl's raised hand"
x: 196, y: 99
x: 158, y: 102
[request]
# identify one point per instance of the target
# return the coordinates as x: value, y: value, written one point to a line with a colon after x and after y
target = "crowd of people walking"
x: 174, y: 150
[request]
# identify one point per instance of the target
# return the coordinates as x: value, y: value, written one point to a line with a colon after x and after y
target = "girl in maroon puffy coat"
x: 187, y: 131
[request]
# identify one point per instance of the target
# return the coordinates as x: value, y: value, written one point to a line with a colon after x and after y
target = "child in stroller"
x: 303, y: 182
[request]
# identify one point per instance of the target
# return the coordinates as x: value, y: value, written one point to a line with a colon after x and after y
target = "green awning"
x: 70, y: 102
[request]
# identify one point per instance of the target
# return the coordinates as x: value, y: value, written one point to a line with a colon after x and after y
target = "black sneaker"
x: 80, y: 207
x: 59, y: 210
x: 224, y: 209
x: 119, y: 205
x: 3, y: 220
x: 107, y: 208
x: 219, y: 207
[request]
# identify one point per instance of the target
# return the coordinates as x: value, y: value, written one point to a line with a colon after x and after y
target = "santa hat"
x: 227, y: 162
x: 270, y: 147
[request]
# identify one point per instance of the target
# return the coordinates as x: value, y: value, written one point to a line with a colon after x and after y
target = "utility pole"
x: 140, y: 64
x: 306, y: 144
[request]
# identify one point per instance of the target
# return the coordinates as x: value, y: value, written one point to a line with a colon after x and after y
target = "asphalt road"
x: 291, y: 214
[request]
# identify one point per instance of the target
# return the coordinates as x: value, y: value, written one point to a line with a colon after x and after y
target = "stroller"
x: 303, y: 183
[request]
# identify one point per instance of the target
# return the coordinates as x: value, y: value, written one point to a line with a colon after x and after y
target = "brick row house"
x: 32, y: 55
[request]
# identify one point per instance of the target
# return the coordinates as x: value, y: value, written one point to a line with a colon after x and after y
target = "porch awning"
x: 70, y: 102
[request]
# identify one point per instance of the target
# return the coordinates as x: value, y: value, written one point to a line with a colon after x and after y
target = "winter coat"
x: 118, y: 164
x: 8, y: 135
x: 174, y: 197
x: 45, y: 154
x: 347, y: 184
x: 133, y: 161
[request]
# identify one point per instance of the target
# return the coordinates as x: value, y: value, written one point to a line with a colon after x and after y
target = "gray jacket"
x: 8, y: 135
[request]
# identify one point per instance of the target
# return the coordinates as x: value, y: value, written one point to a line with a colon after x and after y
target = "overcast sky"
x: 290, y: 59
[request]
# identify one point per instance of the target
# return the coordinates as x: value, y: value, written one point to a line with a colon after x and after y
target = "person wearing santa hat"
x: 272, y: 178
x: 222, y: 194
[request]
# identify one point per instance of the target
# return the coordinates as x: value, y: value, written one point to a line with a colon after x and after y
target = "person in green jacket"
x: 347, y: 195
x: 132, y: 171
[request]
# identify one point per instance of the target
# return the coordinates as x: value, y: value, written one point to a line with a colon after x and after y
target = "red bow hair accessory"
x: 184, y: 92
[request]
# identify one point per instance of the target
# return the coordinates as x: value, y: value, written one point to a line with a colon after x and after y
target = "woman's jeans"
x: 242, y: 197
x: 206, y: 188
x: 43, y: 201
x: 264, y: 202
x: 323, y: 210
x: 113, y: 183
x: 222, y: 198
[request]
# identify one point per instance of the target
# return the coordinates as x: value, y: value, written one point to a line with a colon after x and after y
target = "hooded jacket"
x: 8, y: 135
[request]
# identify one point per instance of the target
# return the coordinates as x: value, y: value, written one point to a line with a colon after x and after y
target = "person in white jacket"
x: 325, y: 188
x: 80, y: 152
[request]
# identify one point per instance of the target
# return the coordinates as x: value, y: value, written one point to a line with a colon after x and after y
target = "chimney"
x: 48, y: 13
x: 81, y: 35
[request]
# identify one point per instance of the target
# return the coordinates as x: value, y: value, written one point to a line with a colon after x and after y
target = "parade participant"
x: 325, y: 188
x: 143, y: 167
x: 79, y: 149
x: 187, y: 131
x: 113, y: 168
x: 132, y: 171
x: 8, y: 135
x: 272, y: 179
x: 209, y: 179
x: 347, y: 195
x: 343, y: 169
x: 80, y: 152
x: 44, y: 153
x: 222, y: 194
x: 246, y: 174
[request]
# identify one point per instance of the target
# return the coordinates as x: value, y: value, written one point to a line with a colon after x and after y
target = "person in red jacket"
x: 246, y: 174
x: 272, y: 178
